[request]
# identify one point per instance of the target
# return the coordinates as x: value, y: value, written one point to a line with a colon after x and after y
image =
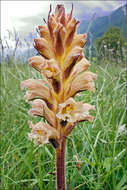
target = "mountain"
x: 99, y: 25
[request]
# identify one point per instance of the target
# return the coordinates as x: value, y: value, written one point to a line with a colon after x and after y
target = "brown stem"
x: 60, y: 166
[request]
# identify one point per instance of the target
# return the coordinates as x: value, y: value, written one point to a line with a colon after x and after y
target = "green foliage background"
x: 111, y: 44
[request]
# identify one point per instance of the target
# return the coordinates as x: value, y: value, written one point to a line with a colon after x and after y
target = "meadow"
x: 100, y: 147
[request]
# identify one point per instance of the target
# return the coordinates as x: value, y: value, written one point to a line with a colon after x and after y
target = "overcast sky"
x: 24, y: 16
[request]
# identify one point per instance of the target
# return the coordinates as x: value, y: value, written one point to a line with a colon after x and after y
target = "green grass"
x: 101, y: 147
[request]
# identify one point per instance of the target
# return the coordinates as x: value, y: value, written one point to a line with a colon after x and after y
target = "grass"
x: 100, y: 147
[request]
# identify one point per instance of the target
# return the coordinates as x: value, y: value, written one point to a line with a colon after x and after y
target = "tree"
x: 111, y: 44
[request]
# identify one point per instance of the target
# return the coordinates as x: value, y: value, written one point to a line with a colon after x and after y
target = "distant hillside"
x: 117, y: 18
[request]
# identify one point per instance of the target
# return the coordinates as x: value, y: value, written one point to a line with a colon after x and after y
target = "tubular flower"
x: 37, y: 89
x: 63, y: 69
x: 37, y: 107
x: 72, y: 111
x: 40, y: 108
x: 42, y: 133
x: 84, y: 81
x: 48, y: 68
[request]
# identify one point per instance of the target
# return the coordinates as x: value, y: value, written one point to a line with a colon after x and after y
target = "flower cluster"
x: 63, y: 67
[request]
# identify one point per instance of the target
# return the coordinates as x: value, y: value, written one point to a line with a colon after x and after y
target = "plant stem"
x: 60, y: 166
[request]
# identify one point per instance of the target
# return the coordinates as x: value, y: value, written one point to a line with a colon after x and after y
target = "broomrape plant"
x: 64, y: 70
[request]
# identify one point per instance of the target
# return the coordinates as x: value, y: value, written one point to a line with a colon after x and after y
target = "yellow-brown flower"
x: 42, y: 133
x: 64, y: 74
x: 64, y: 70
x: 72, y: 111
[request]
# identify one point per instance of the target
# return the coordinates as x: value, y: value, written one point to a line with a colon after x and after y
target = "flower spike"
x: 63, y: 71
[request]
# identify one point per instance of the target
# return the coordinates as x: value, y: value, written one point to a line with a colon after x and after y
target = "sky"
x: 24, y: 16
